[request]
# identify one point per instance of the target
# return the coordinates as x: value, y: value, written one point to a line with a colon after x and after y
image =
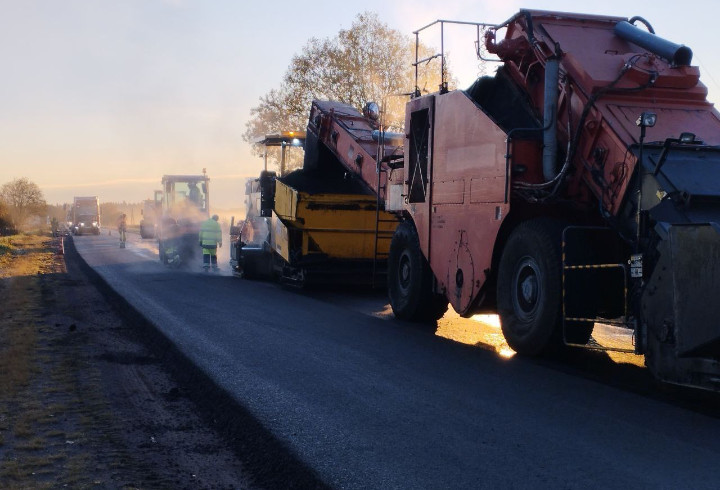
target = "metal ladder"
x: 594, y: 280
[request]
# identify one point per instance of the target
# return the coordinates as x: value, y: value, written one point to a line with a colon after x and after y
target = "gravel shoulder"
x: 83, y: 401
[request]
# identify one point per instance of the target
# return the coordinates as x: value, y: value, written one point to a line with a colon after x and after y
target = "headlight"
x: 372, y: 111
x: 94, y: 223
x: 82, y: 224
x: 646, y: 120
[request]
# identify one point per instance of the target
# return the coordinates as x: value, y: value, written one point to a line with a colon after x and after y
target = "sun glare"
x: 492, y: 320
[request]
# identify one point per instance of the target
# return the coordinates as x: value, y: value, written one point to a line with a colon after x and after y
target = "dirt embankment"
x: 82, y: 402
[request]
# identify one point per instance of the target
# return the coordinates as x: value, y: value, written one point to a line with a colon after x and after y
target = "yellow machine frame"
x: 338, y: 226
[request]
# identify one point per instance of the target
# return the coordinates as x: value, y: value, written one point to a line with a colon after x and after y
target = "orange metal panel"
x: 449, y: 192
x: 487, y: 189
x: 468, y: 148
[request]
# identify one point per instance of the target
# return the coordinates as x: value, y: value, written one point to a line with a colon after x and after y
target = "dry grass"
x: 29, y: 437
x: 6, y: 244
x: 23, y: 428
x: 15, y: 364
x: 34, y: 444
x: 52, y: 412
x: 57, y: 434
x: 58, y: 426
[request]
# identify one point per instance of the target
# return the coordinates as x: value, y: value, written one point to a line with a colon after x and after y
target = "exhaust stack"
x: 676, y: 54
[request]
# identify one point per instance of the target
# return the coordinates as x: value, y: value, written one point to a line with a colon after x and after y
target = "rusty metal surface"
x: 619, y: 80
x: 349, y: 136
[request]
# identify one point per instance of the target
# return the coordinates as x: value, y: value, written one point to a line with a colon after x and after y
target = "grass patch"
x: 6, y: 252
x: 23, y: 428
x: 15, y: 365
x: 55, y: 457
x: 34, y: 444
x: 56, y: 408
x: 76, y: 467
x: 19, y: 336
x: 40, y: 407
x: 47, y: 419
x: 11, y: 469
x: 19, y: 474
x: 6, y: 244
x: 76, y: 437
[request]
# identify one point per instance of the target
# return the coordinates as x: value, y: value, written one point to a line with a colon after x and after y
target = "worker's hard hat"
x: 215, y: 217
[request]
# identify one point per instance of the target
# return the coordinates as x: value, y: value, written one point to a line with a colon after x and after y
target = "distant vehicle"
x: 185, y: 203
x: 151, y: 213
x: 85, y: 215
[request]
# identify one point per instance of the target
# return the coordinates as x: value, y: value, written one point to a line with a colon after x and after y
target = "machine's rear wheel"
x: 410, y: 279
x: 249, y: 268
x: 529, y: 287
x: 161, y: 253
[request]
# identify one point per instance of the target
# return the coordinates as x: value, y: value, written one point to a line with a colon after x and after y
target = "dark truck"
x: 86, y: 215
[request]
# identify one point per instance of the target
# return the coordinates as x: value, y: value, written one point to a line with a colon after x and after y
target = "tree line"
x: 23, y: 207
x: 367, y: 62
x: 20, y: 201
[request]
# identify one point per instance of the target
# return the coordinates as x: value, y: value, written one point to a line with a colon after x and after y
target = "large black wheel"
x: 188, y: 248
x: 410, y: 280
x: 529, y: 287
x: 249, y: 268
x: 161, y: 252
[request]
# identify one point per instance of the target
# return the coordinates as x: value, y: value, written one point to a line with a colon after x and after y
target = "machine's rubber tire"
x: 249, y: 270
x: 161, y: 253
x: 258, y: 267
x: 529, y: 287
x: 410, y: 280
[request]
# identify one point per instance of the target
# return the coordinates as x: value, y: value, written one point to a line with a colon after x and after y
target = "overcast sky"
x: 104, y: 97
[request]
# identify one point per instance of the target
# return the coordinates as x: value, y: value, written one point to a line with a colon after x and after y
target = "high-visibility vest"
x: 210, y: 233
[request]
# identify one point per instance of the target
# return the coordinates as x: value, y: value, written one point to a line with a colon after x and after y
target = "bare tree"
x: 367, y: 62
x: 5, y: 224
x: 23, y: 199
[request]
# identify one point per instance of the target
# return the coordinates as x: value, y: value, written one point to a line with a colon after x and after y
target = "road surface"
x: 371, y: 402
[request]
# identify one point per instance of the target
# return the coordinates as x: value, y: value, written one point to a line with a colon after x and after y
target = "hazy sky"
x: 104, y: 97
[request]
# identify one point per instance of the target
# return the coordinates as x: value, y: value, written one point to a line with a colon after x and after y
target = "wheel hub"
x: 404, y: 272
x: 527, y: 288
